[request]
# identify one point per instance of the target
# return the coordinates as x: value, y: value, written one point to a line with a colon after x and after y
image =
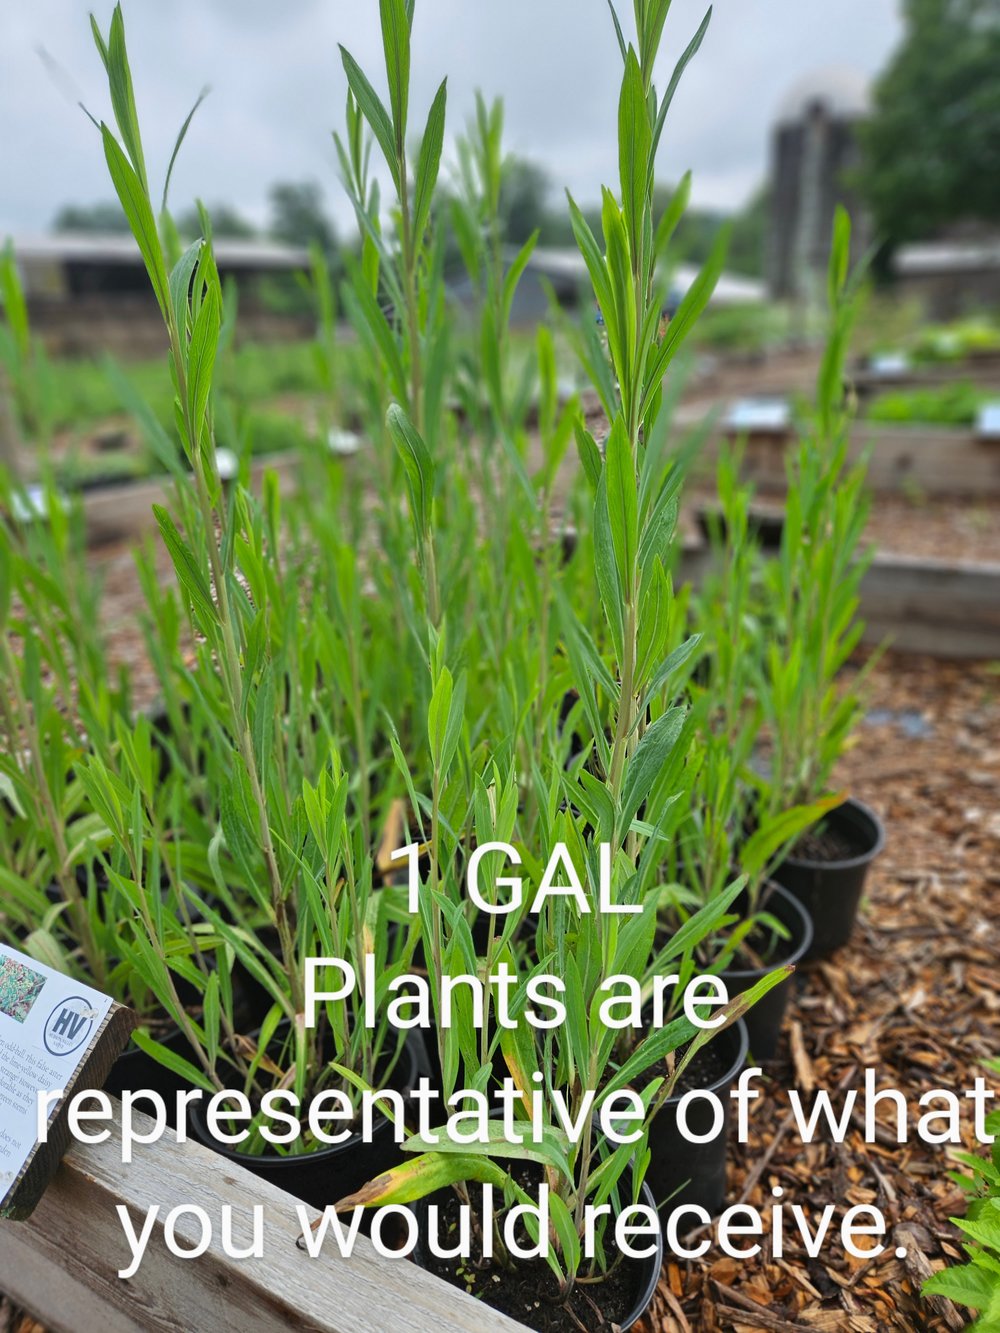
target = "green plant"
x: 724, y: 827
x: 812, y: 588
x: 617, y: 797
x: 950, y: 405
x: 288, y: 856
x: 976, y: 1284
x: 23, y: 358
x: 956, y: 341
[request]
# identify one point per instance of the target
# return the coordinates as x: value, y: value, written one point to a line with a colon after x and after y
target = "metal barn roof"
x: 98, y: 248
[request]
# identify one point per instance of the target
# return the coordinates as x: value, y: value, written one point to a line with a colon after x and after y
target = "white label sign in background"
x: 47, y: 1023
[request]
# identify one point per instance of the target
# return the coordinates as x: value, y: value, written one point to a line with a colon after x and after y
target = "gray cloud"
x: 278, y: 88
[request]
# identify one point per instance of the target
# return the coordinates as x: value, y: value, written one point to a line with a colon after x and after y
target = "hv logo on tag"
x: 69, y: 1025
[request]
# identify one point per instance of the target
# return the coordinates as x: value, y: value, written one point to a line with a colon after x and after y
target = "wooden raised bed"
x: 116, y: 513
x: 945, y: 608
x: 62, y: 1264
x: 982, y: 370
x: 937, y: 461
x: 920, y: 605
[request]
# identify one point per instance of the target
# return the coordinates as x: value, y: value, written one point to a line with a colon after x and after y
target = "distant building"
x: 564, y: 271
x: 950, y: 278
x: 90, y: 292
x: 814, y: 149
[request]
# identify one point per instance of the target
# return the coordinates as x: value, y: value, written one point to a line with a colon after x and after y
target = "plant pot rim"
x: 849, y: 862
x: 799, y: 950
x: 654, y: 1264
x: 651, y: 1266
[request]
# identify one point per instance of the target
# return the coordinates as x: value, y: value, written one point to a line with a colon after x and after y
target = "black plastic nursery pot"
x: 765, y: 1019
x: 764, y: 525
x: 682, y: 1173
x: 830, y: 888
x: 135, y: 1071
x: 323, y: 1177
x: 621, y: 1305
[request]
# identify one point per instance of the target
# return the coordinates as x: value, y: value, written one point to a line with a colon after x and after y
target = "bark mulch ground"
x: 916, y: 996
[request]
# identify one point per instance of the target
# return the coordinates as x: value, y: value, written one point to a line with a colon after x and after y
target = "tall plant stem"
x: 231, y: 676
x: 626, y: 702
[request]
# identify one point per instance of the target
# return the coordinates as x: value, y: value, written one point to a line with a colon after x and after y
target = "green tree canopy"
x: 524, y: 199
x: 102, y: 217
x: 227, y: 223
x: 298, y: 215
x: 932, y: 144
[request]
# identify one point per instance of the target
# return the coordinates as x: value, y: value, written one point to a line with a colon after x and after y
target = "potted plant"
x: 291, y: 858
x: 726, y: 831
x: 616, y: 798
x: 811, y: 600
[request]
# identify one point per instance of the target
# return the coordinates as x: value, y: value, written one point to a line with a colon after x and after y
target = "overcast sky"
x: 278, y: 88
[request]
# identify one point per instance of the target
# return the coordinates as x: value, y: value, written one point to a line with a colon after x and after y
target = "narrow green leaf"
x: 515, y: 272
x: 181, y: 136
x: 417, y: 463
x: 634, y: 141
x: 423, y: 1176
x: 188, y: 571
x: 123, y: 96
x: 138, y: 210
x: 695, y: 300
x: 179, y: 284
x: 645, y: 765
x: 606, y: 567
x: 429, y: 163
x: 373, y: 110
x: 163, y: 1055
x: 396, y: 44
x: 201, y: 358
x: 618, y: 30
x: 668, y: 96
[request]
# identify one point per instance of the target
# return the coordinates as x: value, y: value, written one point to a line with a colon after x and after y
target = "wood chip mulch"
x: 916, y: 996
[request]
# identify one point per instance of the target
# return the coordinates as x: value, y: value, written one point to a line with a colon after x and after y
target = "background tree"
x: 932, y: 145
x: 107, y: 216
x: 228, y: 223
x: 524, y: 199
x: 747, y: 239
x: 298, y: 216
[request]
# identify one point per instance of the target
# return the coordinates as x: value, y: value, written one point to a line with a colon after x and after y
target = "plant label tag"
x: 55, y: 1034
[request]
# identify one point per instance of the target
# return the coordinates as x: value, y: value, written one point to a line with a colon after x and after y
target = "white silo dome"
x: 845, y: 93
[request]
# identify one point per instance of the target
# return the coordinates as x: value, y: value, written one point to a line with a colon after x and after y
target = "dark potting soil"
x: 707, y: 1067
x: 528, y: 1292
x: 763, y: 948
x: 825, y: 844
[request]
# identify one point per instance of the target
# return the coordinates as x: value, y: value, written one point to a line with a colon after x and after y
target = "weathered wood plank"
x: 942, y: 608
x: 62, y: 1264
x: 116, y: 513
x: 928, y: 606
x: 982, y: 371
x: 931, y: 460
